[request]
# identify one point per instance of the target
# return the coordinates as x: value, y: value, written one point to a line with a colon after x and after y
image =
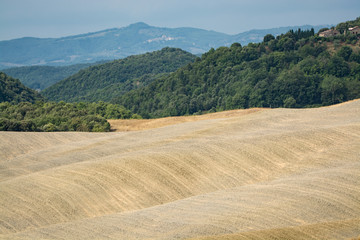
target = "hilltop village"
x: 335, y: 32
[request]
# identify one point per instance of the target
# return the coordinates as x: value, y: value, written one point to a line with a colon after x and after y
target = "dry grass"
x: 122, y: 125
x: 245, y: 174
x: 326, y: 230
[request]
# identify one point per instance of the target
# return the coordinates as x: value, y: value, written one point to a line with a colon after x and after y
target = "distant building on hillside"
x: 329, y: 33
x: 354, y: 30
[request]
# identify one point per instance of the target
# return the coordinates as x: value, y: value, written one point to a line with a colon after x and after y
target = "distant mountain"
x: 41, y: 77
x: 107, y: 81
x: 118, y: 43
x: 12, y: 90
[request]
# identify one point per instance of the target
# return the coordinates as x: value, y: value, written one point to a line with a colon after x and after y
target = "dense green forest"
x: 51, y: 116
x: 109, y: 80
x: 12, y: 90
x: 41, y: 77
x: 296, y: 69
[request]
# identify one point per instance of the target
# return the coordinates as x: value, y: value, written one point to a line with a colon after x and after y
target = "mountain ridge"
x: 114, y: 43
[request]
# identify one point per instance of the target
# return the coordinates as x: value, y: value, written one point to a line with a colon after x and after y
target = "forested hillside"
x: 113, y: 79
x: 296, y: 69
x: 12, y: 90
x: 41, y: 77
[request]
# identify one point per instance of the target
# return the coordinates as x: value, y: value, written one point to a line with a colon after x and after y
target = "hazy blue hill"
x: 112, y: 79
x: 12, y: 90
x: 41, y: 77
x: 118, y: 43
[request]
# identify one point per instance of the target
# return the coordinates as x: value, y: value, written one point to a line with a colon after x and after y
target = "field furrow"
x: 244, y: 174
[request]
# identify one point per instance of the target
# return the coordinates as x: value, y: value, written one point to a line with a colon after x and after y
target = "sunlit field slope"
x: 243, y: 174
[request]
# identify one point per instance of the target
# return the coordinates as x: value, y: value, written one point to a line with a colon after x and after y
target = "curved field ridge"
x: 246, y: 174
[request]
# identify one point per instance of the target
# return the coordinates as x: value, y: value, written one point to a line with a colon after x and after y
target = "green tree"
x: 289, y: 102
x: 345, y: 52
x: 290, y: 83
x: 333, y: 90
x: 268, y: 38
x: 49, y: 127
x: 338, y: 67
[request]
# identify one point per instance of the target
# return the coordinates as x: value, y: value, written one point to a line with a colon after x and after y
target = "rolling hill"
x: 12, y: 90
x: 118, y: 43
x: 109, y: 80
x: 41, y: 77
x: 243, y: 174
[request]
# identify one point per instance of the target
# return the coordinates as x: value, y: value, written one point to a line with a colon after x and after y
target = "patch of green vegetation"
x: 51, y: 116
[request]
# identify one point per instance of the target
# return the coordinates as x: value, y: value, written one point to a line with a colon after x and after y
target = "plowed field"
x: 243, y: 174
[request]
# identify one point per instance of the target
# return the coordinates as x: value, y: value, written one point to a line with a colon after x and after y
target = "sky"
x: 59, y: 18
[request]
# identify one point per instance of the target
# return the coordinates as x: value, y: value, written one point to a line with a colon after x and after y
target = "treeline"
x: 50, y: 116
x: 106, y: 81
x: 296, y: 69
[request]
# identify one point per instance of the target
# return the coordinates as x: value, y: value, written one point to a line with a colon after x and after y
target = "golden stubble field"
x: 243, y: 174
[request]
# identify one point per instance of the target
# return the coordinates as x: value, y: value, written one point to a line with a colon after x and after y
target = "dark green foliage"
x: 332, y: 90
x: 113, y: 79
x: 299, y: 34
x: 338, y: 67
x: 12, y: 90
x: 41, y: 77
x: 268, y: 38
x: 345, y: 52
x: 50, y: 116
x: 292, y: 70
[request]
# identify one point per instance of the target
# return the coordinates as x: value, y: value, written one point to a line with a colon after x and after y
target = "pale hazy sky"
x: 56, y: 18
